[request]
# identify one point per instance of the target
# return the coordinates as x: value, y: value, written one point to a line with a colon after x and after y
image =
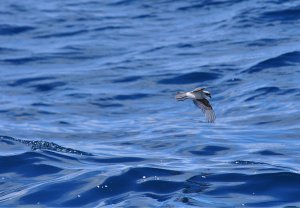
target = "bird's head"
x: 202, y: 91
x: 199, y: 89
x: 207, y: 93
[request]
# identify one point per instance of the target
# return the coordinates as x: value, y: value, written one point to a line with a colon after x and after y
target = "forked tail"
x: 181, y: 96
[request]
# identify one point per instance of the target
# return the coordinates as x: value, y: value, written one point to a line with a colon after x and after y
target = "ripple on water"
x: 189, y: 78
x: 6, y: 29
x: 286, y: 59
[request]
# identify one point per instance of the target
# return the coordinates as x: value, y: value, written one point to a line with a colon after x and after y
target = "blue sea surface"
x: 88, y: 116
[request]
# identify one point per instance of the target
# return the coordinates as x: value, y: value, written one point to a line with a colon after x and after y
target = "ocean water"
x: 88, y: 116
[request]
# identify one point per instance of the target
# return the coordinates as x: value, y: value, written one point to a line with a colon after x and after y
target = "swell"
x: 286, y: 59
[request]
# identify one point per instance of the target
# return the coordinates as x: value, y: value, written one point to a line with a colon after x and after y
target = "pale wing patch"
x: 206, y: 108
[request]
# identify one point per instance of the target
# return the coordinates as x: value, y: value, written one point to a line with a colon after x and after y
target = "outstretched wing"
x: 206, y: 108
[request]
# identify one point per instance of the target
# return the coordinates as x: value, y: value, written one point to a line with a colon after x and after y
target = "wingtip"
x: 210, y: 116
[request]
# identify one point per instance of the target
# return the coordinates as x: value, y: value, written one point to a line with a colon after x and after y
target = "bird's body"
x: 200, y: 99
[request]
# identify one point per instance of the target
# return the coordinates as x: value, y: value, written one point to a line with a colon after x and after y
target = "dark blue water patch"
x: 205, y: 4
x: 144, y: 16
x: 159, y: 145
x: 107, y: 105
x: 72, y: 48
x: 5, y: 13
x: 188, y: 54
x: 267, y: 90
x: 7, y: 141
x: 63, y: 34
x: 50, y: 58
x: 268, y: 153
x: 51, y: 193
x: 41, y: 104
x: 184, y: 45
x: 196, y: 186
x: 264, y: 91
x: 68, y: 55
x: 7, y: 50
x: 57, y: 156
x: 269, y: 179
x: 104, y: 98
x: 122, y: 2
x: 64, y: 123
x: 79, y: 95
x: 275, y: 203
x: 18, y: 7
x: 130, y: 180
x: 161, y: 186
x: 36, y: 170
x: 220, y: 69
x: 115, y: 159
x: 191, y: 202
x: 281, y: 186
x: 127, y: 79
x: 209, y: 150
x: 131, y: 97
x: 127, y: 143
x: 48, y: 86
x: 265, y: 42
x: 5, y: 111
x: 28, y: 80
x: 24, y: 60
x: 287, y: 59
x: 90, y: 3
x: 190, y: 78
x: 267, y: 122
x: 110, y: 28
x: 158, y: 197
x: 84, y: 19
x: 181, y: 46
x: 26, y: 164
x: 153, y: 49
x: 23, y: 114
x: 46, y: 112
x: 10, y: 161
x: 290, y: 14
x: 289, y: 91
x: 13, y: 29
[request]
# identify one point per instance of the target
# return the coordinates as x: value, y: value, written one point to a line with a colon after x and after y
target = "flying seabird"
x: 200, y: 99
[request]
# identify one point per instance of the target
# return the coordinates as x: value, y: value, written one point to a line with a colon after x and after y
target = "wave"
x: 6, y: 29
x: 41, y: 145
x: 283, y: 15
x: 286, y: 59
